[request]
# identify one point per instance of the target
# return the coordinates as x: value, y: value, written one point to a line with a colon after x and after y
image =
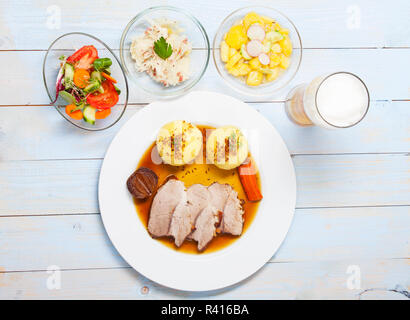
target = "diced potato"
x: 274, y: 60
x: 276, y: 48
x: 233, y: 60
x: 286, y: 46
x: 236, y: 37
x: 254, y: 78
x: 272, y: 75
x: 255, y: 63
x: 277, y: 27
x: 265, y: 70
x: 251, y: 18
x: 234, y: 72
x: 269, y: 27
x: 232, y: 52
x: 224, y: 51
x: 284, y: 31
x: 284, y: 61
x: 243, y: 69
x: 267, y: 20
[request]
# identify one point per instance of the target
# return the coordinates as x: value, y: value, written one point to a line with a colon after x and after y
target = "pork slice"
x: 168, y: 196
x: 181, y: 226
x: 205, y: 229
x: 198, y: 198
x: 219, y: 194
x: 232, y: 219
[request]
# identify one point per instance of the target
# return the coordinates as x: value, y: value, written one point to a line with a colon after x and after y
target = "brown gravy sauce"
x: 202, y: 173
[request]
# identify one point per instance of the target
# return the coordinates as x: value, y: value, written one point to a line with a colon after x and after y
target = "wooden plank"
x: 384, y: 129
x: 47, y: 187
x: 383, y: 70
x: 352, y: 180
x: 69, y: 186
x: 364, y: 23
x: 308, y: 280
x: 41, y: 130
x: 80, y: 241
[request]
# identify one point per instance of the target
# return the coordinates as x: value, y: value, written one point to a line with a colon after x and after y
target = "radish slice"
x: 256, y: 32
x: 264, y: 59
x: 254, y: 48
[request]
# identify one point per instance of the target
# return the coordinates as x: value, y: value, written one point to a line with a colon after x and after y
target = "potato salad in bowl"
x: 259, y: 50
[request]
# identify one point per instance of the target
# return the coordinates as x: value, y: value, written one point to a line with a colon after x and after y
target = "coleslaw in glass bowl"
x: 165, y: 51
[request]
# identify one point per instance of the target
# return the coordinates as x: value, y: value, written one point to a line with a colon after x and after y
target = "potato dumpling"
x: 179, y: 142
x: 226, y: 147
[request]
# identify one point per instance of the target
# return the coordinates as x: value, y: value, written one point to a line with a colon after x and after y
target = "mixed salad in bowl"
x: 85, y: 82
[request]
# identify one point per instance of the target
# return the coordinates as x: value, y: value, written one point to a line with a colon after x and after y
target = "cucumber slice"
x: 89, y: 114
x: 68, y: 76
x: 67, y: 97
x: 266, y: 46
x: 108, y: 70
x: 100, y: 89
x: 93, y: 86
x: 274, y: 36
x: 96, y: 75
x: 244, y: 53
x: 79, y: 107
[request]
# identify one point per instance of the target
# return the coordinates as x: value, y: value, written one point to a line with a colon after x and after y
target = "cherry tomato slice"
x: 83, y: 58
x: 104, y: 100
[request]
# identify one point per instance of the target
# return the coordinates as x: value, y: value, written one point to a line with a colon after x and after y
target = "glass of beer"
x: 335, y: 100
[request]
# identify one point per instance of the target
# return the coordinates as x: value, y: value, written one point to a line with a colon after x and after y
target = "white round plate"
x: 218, y: 269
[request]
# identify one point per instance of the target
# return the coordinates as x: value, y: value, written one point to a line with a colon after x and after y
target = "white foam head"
x: 342, y: 99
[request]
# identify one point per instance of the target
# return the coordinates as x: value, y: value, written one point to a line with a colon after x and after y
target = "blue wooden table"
x: 350, y: 235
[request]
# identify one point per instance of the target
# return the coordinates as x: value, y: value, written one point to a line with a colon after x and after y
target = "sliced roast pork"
x: 181, y: 226
x: 232, y: 219
x: 219, y: 194
x: 205, y: 229
x: 168, y: 197
x: 198, y: 198
x: 195, y: 213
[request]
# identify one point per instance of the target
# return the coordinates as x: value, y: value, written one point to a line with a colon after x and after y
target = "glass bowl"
x: 66, y: 45
x: 265, y: 88
x: 189, y: 26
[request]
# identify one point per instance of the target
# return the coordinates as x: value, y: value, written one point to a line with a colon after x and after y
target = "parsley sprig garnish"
x: 162, y: 48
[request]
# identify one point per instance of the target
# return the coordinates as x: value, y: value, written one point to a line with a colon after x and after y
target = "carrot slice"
x: 247, y: 175
x: 77, y: 115
x: 108, y: 77
x: 81, y: 77
x: 102, y: 114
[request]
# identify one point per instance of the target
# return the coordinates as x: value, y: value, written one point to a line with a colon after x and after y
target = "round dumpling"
x: 226, y: 147
x: 179, y: 142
